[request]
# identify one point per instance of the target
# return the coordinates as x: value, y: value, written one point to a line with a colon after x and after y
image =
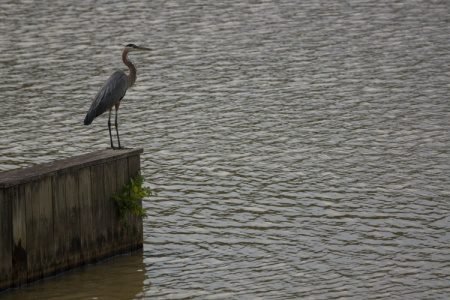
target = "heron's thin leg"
x: 116, y: 124
x: 109, y: 127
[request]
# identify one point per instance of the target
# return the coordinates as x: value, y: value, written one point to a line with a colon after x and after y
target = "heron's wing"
x: 112, y: 92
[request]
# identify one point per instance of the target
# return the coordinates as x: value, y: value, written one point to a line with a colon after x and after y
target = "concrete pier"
x: 58, y: 216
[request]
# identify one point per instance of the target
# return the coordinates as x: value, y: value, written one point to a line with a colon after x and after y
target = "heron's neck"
x: 131, y: 77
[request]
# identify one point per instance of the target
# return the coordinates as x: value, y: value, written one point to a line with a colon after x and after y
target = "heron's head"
x: 134, y: 47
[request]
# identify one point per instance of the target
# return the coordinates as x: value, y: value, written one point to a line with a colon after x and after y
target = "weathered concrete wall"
x: 58, y: 216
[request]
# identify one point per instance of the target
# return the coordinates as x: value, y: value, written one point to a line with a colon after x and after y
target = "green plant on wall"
x: 126, y: 200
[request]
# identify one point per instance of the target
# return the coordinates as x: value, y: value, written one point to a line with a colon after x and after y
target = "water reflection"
x: 119, y: 278
x: 299, y: 150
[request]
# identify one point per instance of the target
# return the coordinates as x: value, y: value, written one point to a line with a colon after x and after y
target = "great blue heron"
x: 113, y: 91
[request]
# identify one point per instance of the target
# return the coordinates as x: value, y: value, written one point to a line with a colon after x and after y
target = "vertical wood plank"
x: 136, y: 231
x: 73, y: 214
x: 110, y: 207
x: 19, y: 254
x: 34, y: 264
x: 86, y: 221
x: 60, y: 223
x: 6, y: 279
x: 66, y: 221
x: 42, y: 192
x: 134, y: 165
x: 40, y: 243
x: 98, y: 212
x: 122, y: 178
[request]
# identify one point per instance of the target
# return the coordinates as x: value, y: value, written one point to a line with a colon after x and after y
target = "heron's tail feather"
x: 90, y: 116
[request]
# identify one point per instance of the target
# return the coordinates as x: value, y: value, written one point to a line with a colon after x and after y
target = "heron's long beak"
x: 144, y: 48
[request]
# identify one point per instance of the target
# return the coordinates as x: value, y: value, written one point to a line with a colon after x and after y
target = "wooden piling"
x: 57, y: 216
x: 6, y: 241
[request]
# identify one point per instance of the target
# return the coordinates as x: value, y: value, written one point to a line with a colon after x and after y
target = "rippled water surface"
x: 299, y: 149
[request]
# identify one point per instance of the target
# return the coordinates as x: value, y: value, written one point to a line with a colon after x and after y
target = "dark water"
x: 299, y: 149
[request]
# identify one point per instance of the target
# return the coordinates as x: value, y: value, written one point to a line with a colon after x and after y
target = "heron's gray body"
x: 111, y: 93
